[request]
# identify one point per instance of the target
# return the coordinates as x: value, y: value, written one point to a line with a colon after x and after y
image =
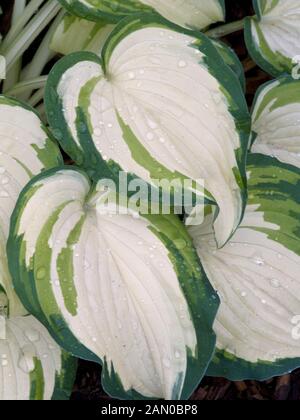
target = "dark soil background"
x: 88, y: 381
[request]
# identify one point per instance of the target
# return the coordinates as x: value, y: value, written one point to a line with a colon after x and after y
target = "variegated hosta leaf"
x: 272, y: 37
x: 257, y: 277
x: 160, y: 105
x: 112, y: 287
x: 25, y: 150
x: 32, y: 366
x: 276, y: 120
x: 187, y: 13
x: 76, y: 34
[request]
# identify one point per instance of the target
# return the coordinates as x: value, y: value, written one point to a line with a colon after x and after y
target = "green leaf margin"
x: 232, y: 61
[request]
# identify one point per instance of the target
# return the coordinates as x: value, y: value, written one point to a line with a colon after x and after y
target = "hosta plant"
x: 147, y: 90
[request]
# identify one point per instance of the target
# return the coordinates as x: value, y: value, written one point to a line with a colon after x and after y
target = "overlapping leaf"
x: 160, y: 104
x: 126, y: 291
x: 257, y: 277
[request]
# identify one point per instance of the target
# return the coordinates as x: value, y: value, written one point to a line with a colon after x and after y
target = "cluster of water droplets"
x: 274, y: 282
x: 28, y: 351
x: 168, y: 360
x: 268, y: 272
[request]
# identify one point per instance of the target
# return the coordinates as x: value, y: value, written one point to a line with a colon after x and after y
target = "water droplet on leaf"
x: 26, y: 360
x: 32, y: 335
